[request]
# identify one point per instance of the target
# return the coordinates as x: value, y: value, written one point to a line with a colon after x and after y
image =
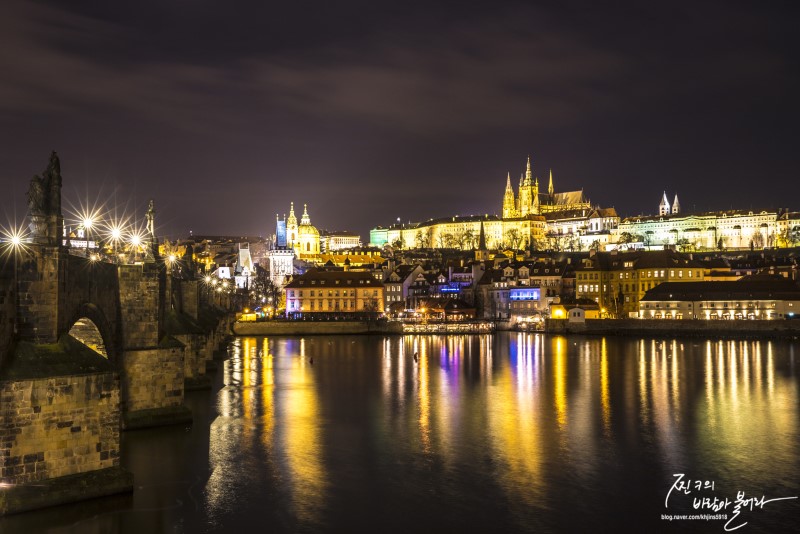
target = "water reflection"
x: 511, y: 432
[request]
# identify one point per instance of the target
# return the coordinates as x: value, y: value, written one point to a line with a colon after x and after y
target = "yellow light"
x: 171, y: 258
x: 558, y: 313
x: 207, y: 279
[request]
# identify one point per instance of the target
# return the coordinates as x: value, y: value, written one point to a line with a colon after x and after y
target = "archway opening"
x: 85, y: 331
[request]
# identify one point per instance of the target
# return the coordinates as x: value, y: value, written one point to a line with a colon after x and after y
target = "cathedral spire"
x: 305, y: 219
x: 663, y: 207
x: 509, y: 202
x: 550, y: 188
x: 676, y: 206
x: 528, y: 172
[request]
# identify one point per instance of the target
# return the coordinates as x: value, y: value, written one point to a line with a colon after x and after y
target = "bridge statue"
x: 44, y: 204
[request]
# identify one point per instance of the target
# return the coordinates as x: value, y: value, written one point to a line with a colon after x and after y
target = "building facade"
x: 736, y: 229
x: 618, y: 281
x: 530, y: 219
x: 751, y: 297
x: 351, y: 294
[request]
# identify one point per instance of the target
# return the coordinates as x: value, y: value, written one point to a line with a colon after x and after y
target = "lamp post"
x: 135, y: 242
x: 87, y: 225
x: 16, y: 243
x: 116, y: 235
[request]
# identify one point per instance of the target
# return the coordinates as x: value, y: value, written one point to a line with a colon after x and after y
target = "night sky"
x: 224, y: 112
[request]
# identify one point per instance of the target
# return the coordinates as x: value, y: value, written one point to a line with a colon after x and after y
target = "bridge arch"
x: 90, y: 326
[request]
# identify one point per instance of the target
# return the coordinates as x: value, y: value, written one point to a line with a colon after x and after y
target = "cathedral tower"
x: 663, y: 207
x: 676, y: 206
x: 291, y: 226
x: 509, y: 203
x: 526, y: 192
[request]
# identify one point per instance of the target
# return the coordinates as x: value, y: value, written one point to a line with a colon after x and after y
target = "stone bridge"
x: 88, y: 348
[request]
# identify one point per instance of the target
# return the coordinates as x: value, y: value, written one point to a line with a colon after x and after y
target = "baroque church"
x: 303, y: 237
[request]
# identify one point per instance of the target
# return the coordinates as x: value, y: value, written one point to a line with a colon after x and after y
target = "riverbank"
x: 309, y: 328
x: 676, y: 327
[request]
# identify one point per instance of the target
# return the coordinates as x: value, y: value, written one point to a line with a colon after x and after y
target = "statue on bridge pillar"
x: 44, y: 204
x: 152, y: 251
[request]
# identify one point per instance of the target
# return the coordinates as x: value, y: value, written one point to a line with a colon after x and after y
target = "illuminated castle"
x: 555, y: 221
x: 529, y: 201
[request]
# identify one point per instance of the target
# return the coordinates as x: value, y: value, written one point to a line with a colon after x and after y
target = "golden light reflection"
x: 302, y: 439
x: 267, y: 395
x: 644, y: 401
x: 423, y: 397
x: 560, y: 376
x: 748, y: 421
x: 516, y: 421
x: 605, y: 401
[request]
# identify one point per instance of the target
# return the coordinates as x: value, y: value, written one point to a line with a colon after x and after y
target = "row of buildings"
x: 545, y: 250
x: 528, y: 289
x: 538, y: 220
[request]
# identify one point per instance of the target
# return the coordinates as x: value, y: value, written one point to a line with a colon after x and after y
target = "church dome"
x: 307, y: 229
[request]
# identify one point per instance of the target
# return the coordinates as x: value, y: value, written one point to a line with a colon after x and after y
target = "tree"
x: 757, y: 241
x: 513, y: 238
x: 794, y: 235
x: 469, y: 238
x: 398, y: 243
x: 419, y: 239
x: 595, y: 246
x: 460, y: 239
x: 683, y: 244
x: 371, y: 307
x: 626, y: 237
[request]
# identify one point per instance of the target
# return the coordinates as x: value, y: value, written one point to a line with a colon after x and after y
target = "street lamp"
x: 87, y: 225
x: 116, y: 236
x: 15, y: 244
x: 136, y: 240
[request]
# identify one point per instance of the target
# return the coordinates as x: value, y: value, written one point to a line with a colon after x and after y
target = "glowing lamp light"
x: 171, y: 258
x: 16, y: 240
x: 136, y: 240
x: 116, y: 233
x: 207, y: 279
x: 87, y: 222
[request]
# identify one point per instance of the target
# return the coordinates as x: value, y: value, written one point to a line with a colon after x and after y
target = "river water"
x: 504, y: 433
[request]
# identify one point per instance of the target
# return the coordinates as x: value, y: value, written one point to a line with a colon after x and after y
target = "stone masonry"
x: 53, y: 427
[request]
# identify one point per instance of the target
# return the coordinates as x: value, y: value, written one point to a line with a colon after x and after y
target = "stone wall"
x: 40, y: 270
x: 675, y: 327
x: 153, y: 387
x: 7, y: 313
x: 298, y: 328
x: 190, y: 298
x: 139, y: 289
x: 53, y: 427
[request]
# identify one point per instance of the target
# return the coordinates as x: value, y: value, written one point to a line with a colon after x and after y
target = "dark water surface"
x: 504, y: 433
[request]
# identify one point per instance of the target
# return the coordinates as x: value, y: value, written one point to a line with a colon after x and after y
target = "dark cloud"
x: 227, y: 112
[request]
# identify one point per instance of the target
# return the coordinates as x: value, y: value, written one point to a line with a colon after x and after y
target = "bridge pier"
x: 152, y: 364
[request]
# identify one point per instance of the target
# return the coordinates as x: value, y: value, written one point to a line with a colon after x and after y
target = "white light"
x: 15, y: 240
x: 87, y: 223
